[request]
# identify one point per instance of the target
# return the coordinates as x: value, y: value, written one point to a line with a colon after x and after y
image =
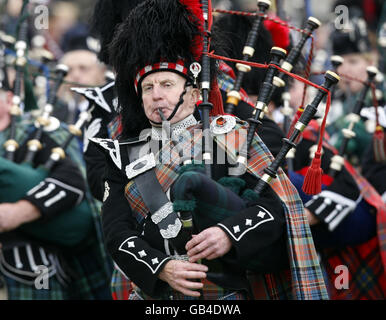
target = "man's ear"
x: 195, y: 95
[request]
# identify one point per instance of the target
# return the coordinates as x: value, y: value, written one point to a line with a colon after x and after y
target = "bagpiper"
x: 166, y: 247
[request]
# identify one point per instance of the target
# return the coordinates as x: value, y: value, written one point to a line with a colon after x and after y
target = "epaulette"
x: 222, y: 124
x: 98, y: 95
x: 111, y: 148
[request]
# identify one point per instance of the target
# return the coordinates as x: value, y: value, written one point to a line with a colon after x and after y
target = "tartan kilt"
x: 367, y: 280
x: 89, y: 280
x: 210, y: 291
x: 121, y: 287
x: 19, y: 291
x: 272, y: 286
x: 124, y: 289
x: 86, y: 281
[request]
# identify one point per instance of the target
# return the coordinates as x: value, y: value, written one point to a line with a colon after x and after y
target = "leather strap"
x: 155, y: 199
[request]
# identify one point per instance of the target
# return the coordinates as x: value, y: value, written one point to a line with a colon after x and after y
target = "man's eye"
x: 146, y: 88
x: 168, y: 84
x: 84, y: 68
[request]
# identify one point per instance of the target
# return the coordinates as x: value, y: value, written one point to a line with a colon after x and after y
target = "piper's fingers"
x: 201, y: 255
x: 187, y: 292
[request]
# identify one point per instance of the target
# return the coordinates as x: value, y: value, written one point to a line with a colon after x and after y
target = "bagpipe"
x: 288, y: 64
x: 260, y: 108
x: 336, y: 61
x: 354, y: 117
x: 291, y: 60
x: 196, y: 196
x: 67, y: 228
x: 233, y: 97
x: 205, y: 106
x: 203, y: 202
x: 20, y: 46
x: 293, y: 56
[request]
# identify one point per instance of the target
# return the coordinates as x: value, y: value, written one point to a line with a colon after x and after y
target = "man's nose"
x: 156, y: 92
x: 74, y: 76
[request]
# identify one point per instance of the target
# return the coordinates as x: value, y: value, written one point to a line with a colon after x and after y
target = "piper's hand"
x: 180, y: 276
x: 312, y: 219
x: 12, y: 215
x: 209, y: 244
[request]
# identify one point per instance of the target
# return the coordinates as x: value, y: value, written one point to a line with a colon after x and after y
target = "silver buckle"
x: 162, y: 212
x: 140, y: 165
x: 172, y: 230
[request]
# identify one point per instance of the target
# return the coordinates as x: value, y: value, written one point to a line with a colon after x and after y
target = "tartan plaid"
x: 166, y: 171
x: 372, y: 196
x: 90, y: 280
x: 272, y: 286
x: 121, y: 287
x: 85, y: 283
x: 137, y: 205
x: 92, y: 265
x: 306, y: 275
x: 366, y: 262
x: 19, y: 291
x: 367, y: 278
x: 114, y: 127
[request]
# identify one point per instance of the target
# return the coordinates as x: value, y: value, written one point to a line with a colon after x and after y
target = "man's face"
x: 84, y: 68
x: 162, y: 90
x: 354, y: 65
x: 5, y: 106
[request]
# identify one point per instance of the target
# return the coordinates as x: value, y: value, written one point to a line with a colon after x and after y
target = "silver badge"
x: 139, y: 166
x: 195, y: 69
x: 222, y: 124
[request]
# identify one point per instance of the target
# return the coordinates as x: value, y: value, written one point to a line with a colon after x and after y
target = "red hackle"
x: 279, y: 32
x: 195, y: 8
